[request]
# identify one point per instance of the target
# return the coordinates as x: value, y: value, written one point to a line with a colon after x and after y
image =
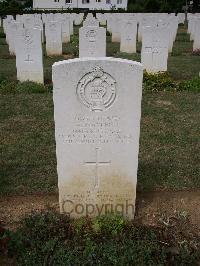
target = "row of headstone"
x: 97, y: 144
x: 157, y: 33
x: 194, y: 30
x: 26, y: 34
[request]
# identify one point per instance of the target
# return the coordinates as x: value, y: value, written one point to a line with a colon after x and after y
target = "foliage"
x: 190, y: 85
x: 7, y: 87
x: 109, y: 224
x: 15, y: 7
x: 52, y: 239
x: 151, y: 82
x: 158, y: 82
x: 10, y: 7
x: 2, y: 35
x: 163, y: 82
x: 74, y: 45
x: 156, y: 5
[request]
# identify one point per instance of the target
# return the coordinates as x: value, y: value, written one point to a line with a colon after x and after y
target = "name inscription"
x: 96, y: 130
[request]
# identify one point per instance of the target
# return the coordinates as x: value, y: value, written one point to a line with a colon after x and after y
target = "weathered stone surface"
x: 154, y: 54
x: 97, y: 110
x: 92, y: 42
x: 128, y: 36
x: 53, y: 33
x: 29, y: 60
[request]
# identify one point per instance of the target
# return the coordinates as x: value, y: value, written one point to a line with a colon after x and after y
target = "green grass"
x: 181, y: 65
x: 28, y: 162
x: 53, y: 239
x: 168, y: 156
x: 168, y: 160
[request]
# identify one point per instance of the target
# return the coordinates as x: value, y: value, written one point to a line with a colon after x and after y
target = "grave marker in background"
x: 29, y: 60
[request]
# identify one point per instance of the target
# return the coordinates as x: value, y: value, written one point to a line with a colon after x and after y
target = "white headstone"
x: 91, y: 21
x: 29, y: 60
x: 101, y: 18
x: 116, y: 27
x: 92, y: 42
x: 196, y: 44
x: 128, y: 36
x: 97, y: 110
x: 154, y: 54
x: 14, y: 27
x: 78, y: 19
x: 38, y: 24
x: 65, y: 31
x: 53, y: 32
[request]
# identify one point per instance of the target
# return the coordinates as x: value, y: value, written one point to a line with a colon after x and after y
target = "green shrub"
x: 190, y: 85
x: 8, y: 87
x: 109, y: 224
x: 2, y: 35
x: 74, y: 44
x: 158, y: 82
x: 31, y: 87
x: 49, y: 238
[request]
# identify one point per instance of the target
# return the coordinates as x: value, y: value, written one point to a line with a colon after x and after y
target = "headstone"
x: 78, y: 19
x: 65, y: 30
x: 92, y: 42
x: 116, y: 28
x: 38, y: 24
x: 196, y: 44
x: 128, y: 36
x: 28, y: 21
x: 71, y: 18
x: 154, y: 54
x: 91, y: 21
x: 29, y: 61
x: 13, y: 28
x: 53, y: 32
x: 97, y: 109
x: 101, y: 18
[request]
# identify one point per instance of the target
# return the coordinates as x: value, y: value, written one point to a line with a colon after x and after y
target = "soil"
x: 152, y: 208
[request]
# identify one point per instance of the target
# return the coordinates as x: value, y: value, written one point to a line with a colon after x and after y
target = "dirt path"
x: 152, y: 207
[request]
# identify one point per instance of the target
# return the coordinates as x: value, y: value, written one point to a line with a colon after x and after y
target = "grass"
x: 181, y: 64
x: 168, y: 160
x: 168, y: 156
x: 52, y: 239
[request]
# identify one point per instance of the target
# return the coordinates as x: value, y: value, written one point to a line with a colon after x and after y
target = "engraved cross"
x: 97, y: 163
x: 28, y: 59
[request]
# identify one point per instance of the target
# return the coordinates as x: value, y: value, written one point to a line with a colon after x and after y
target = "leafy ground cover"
x: 51, y: 239
x: 168, y: 160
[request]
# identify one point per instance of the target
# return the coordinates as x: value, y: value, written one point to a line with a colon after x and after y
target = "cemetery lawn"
x: 169, y: 143
x: 182, y: 64
x: 168, y: 158
x: 166, y: 228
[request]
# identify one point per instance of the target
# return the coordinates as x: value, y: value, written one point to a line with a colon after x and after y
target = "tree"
x: 152, y: 6
x: 196, y: 6
x: 28, y: 4
x: 10, y: 7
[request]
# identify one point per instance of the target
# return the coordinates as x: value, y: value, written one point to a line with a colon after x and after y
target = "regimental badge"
x: 97, y: 90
